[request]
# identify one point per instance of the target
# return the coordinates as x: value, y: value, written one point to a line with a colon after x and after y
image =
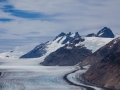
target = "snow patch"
x: 68, y: 47
x: 115, y: 42
x: 101, y: 33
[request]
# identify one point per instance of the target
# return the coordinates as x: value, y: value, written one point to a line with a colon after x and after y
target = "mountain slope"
x: 74, y: 52
x: 102, y: 52
x: 67, y: 55
x: 106, y: 72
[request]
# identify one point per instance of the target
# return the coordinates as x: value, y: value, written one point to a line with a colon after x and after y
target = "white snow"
x: 63, y: 38
x: 115, y: 42
x: 94, y: 43
x: 68, y: 47
x: 101, y: 34
x: 72, y: 35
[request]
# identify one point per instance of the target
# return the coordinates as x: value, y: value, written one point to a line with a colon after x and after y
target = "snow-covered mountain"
x: 74, y: 52
x: 69, y: 43
x: 105, y: 33
x: 70, y: 46
x: 68, y: 55
x: 45, y: 49
x: 91, y: 43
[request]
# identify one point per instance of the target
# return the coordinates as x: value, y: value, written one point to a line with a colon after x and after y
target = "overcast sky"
x: 21, y: 19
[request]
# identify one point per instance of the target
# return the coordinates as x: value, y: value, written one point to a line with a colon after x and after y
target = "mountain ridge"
x: 105, y: 72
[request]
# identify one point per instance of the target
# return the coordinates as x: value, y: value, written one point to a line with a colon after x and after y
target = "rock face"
x: 38, y: 51
x: 70, y: 37
x: 106, y: 72
x: 68, y: 55
x: 104, y: 33
x: 102, y: 52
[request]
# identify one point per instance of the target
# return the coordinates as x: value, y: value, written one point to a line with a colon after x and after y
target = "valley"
x: 34, y: 77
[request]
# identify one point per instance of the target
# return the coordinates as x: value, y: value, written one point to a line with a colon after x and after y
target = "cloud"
x: 50, y: 17
x: 2, y: 31
x: 5, y: 20
x: 20, y: 13
x: 35, y: 33
x: 3, y: 0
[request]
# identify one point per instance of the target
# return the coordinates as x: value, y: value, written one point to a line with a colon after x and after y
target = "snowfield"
x: 94, y: 43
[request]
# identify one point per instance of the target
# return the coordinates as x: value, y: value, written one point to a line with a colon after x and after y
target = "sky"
x: 20, y: 19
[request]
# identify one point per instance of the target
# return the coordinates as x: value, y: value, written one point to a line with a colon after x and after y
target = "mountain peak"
x: 106, y: 33
x: 77, y: 35
x: 60, y: 35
